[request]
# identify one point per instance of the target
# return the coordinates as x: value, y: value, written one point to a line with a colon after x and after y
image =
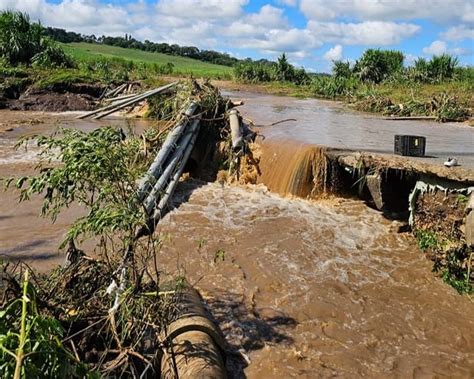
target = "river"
x: 302, y: 288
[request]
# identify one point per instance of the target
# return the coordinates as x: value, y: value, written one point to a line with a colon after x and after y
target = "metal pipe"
x: 150, y: 201
x: 156, y: 167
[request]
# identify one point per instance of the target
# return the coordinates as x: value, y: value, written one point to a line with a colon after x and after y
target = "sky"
x: 313, y: 33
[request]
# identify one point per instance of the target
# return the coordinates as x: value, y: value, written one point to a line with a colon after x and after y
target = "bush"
x: 253, y: 72
x: 52, y: 55
x: 442, y: 67
x: 20, y: 40
x: 341, y: 69
x: 376, y: 65
x: 282, y: 71
x: 333, y: 87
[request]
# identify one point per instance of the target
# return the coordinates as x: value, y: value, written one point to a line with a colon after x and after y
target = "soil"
x: 59, y: 97
x: 441, y: 213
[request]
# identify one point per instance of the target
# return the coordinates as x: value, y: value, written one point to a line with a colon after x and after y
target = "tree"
x: 284, y: 70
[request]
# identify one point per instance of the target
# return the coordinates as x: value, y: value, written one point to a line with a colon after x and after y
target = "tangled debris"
x: 442, y: 108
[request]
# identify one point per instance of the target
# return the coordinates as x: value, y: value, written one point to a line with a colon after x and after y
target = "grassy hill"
x: 182, y: 65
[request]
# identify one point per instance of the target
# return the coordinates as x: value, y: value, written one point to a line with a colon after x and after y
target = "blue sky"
x: 311, y: 32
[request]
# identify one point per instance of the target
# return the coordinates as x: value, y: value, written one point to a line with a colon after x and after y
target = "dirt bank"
x: 58, y: 97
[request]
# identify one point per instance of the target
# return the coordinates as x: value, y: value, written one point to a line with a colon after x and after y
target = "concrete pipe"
x: 195, y: 344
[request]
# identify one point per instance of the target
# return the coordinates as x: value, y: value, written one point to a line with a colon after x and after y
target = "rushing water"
x: 302, y: 288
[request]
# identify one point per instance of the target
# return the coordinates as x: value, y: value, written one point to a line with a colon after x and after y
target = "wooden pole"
x: 235, y: 129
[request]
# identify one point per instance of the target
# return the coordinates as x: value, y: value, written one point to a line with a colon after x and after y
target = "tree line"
x: 129, y: 42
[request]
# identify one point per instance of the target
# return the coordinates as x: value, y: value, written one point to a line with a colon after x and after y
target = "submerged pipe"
x: 156, y: 167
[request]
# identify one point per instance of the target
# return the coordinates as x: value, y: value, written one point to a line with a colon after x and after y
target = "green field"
x: 182, y: 65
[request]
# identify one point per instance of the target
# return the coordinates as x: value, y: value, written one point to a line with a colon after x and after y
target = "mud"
x: 56, y: 98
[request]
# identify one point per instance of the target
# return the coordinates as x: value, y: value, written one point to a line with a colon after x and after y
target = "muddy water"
x: 302, y: 289
x: 327, y: 123
x: 318, y: 289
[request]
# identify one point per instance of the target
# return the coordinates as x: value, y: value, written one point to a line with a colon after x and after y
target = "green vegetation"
x: 98, y: 317
x: 281, y: 71
x: 452, y: 259
x: 30, y: 343
x: 23, y: 42
x: 377, y: 82
x: 129, y: 42
x: 91, y: 52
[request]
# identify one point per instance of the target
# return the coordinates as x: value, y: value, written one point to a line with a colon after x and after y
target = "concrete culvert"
x: 195, y: 345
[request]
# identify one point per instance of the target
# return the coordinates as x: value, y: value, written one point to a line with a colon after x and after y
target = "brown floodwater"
x: 301, y: 288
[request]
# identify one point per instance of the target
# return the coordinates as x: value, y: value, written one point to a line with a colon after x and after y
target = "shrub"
x: 442, y: 67
x: 376, y: 65
x: 253, y: 72
x: 52, y: 55
x: 333, y: 87
x: 341, y: 69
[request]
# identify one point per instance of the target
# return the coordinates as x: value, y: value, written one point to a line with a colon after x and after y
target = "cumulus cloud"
x: 334, y: 53
x: 279, y: 40
x: 458, y: 33
x: 436, y: 48
x: 364, y: 33
x: 209, y: 9
x: 86, y: 16
x: 221, y: 24
x: 439, y: 10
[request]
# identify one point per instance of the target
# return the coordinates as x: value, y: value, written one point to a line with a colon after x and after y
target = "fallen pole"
x: 156, y: 167
x: 123, y: 97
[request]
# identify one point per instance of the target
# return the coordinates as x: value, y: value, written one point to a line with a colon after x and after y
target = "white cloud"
x: 458, y: 33
x: 201, y: 9
x: 334, y: 54
x: 439, y: 10
x: 279, y: 40
x: 364, y: 33
x: 440, y: 47
x: 289, y: 3
x: 436, y: 48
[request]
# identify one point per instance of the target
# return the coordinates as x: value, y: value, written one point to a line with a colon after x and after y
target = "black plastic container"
x: 413, y: 146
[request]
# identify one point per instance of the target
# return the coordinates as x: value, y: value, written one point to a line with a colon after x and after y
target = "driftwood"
x: 175, y: 178
x: 134, y: 100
